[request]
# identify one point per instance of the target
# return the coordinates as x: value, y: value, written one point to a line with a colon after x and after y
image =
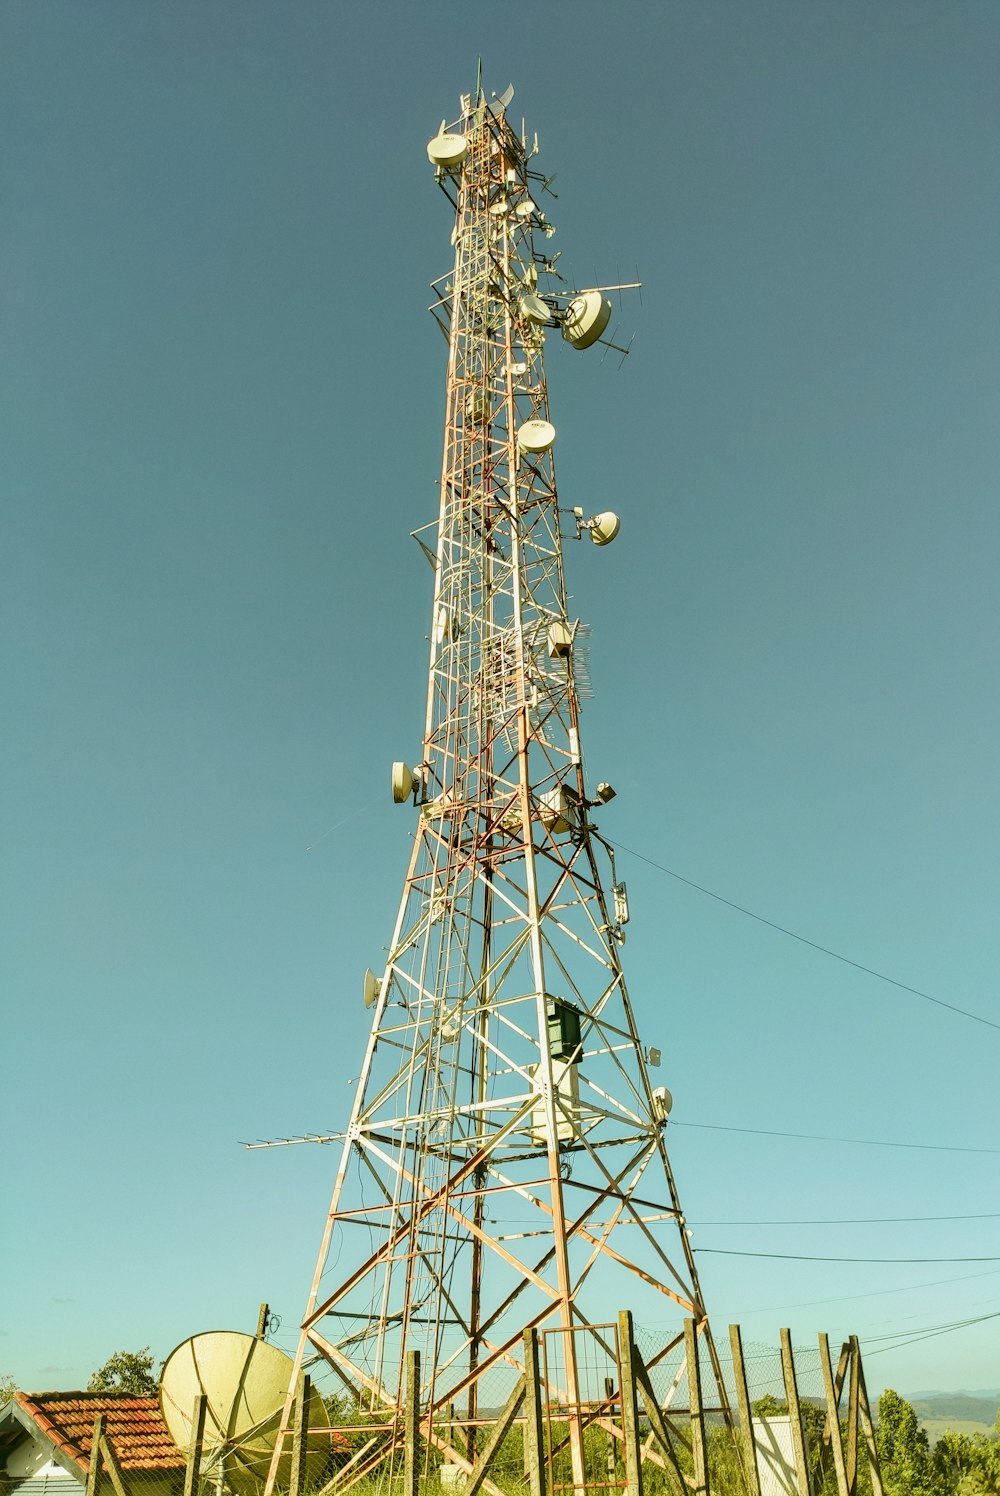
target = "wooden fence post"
x: 94, y: 1473
x: 852, y: 1416
x: 411, y: 1474
x: 300, y: 1436
x: 751, y: 1475
x: 698, y: 1448
x: 113, y: 1466
x: 534, y: 1443
x: 795, y: 1415
x: 610, y: 1454
x: 630, y: 1407
x: 192, y: 1470
x: 865, y: 1412
x: 833, y: 1408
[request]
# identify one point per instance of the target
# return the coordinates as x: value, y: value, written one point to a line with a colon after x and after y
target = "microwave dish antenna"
x: 535, y: 310
x: 245, y: 1381
x: 536, y: 436
x: 604, y: 527
x: 587, y: 317
x: 447, y: 150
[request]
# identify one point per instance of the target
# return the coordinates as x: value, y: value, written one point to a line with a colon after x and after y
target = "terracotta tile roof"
x: 137, y: 1432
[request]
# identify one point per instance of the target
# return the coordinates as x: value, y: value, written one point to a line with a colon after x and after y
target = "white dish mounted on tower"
x: 447, y: 151
x: 604, y: 527
x: 535, y: 309
x: 586, y: 318
x: 536, y: 436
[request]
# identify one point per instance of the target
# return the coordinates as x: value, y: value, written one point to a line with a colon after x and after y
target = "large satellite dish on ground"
x: 245, y: 1381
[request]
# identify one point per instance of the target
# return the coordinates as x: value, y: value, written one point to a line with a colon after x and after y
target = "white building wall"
x: 775, y: 1455
x: 29, y: 1461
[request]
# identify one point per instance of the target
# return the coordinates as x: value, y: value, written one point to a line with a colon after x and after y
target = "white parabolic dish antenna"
x: 447, y: 151
x: 535, y: 309
x: 586, y: 318
x: 536, y: 436
x: 245, y: 1381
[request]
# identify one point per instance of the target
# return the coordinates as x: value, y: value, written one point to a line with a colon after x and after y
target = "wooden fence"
x: 419, y: 1451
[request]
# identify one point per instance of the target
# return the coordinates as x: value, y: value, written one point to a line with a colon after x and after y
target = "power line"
x: 802, y: 1257
x: 929, y: 1334
x: 953, y: 1324
x: 876, y: 1293
x: 857, y: 1220
x: 804, y: 940
x: 815, y: 1137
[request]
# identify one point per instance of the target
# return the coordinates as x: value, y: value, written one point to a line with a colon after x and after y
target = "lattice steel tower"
x: 504, y: 1166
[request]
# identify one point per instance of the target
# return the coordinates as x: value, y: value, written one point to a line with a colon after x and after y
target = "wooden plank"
x: 411, y: 1473
x: 795, y: 1414
x: 534, y: 1443
x: 833, y: 1418
x: 94, y: 1472
x: 698, y: 1447
x: 630, y: 1407
x: 838, y: 1386
x: 659, y: 1427
x: 112, y: 1466
x: 865, y: 1412
x: 500, y: 1431
x: 852, y: 1419
x: 300, y: 1436
x: 192, y: 1470
x: 610, y: 1454
x: 751, y: 1475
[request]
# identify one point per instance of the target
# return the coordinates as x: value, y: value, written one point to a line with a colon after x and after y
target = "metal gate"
x: 596, y: 1409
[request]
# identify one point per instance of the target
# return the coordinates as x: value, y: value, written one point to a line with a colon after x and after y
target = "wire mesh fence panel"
x: 137, y: 1481
x: 787, y: 1408
x: 770, y: 1433
x: 597, y: 1366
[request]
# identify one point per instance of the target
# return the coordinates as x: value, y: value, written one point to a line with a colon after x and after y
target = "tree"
x: 126, y: 1371
x: 8, y: 1387
x: 907, y: 1469
x: 969, y: 1464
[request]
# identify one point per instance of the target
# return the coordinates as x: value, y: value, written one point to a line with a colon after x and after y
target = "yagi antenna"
x: 626, y: 351
x: 608, y: 343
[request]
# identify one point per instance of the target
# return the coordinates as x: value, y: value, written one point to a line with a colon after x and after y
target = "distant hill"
x: 949, y: 1409
x: 990, y: 1394
x: 936, y: 1428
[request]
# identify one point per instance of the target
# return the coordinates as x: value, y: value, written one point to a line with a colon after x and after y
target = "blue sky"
x: 223, y: 401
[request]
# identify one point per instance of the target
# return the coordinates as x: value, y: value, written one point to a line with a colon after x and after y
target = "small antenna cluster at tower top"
x: 582, y: 316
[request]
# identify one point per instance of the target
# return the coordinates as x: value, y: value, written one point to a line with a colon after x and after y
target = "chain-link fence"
x: 602, y: 1410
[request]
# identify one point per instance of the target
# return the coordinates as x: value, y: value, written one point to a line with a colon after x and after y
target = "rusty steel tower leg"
x: 504, y: 1168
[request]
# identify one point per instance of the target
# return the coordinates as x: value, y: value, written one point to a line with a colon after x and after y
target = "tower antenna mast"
x: 505, y: 1166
